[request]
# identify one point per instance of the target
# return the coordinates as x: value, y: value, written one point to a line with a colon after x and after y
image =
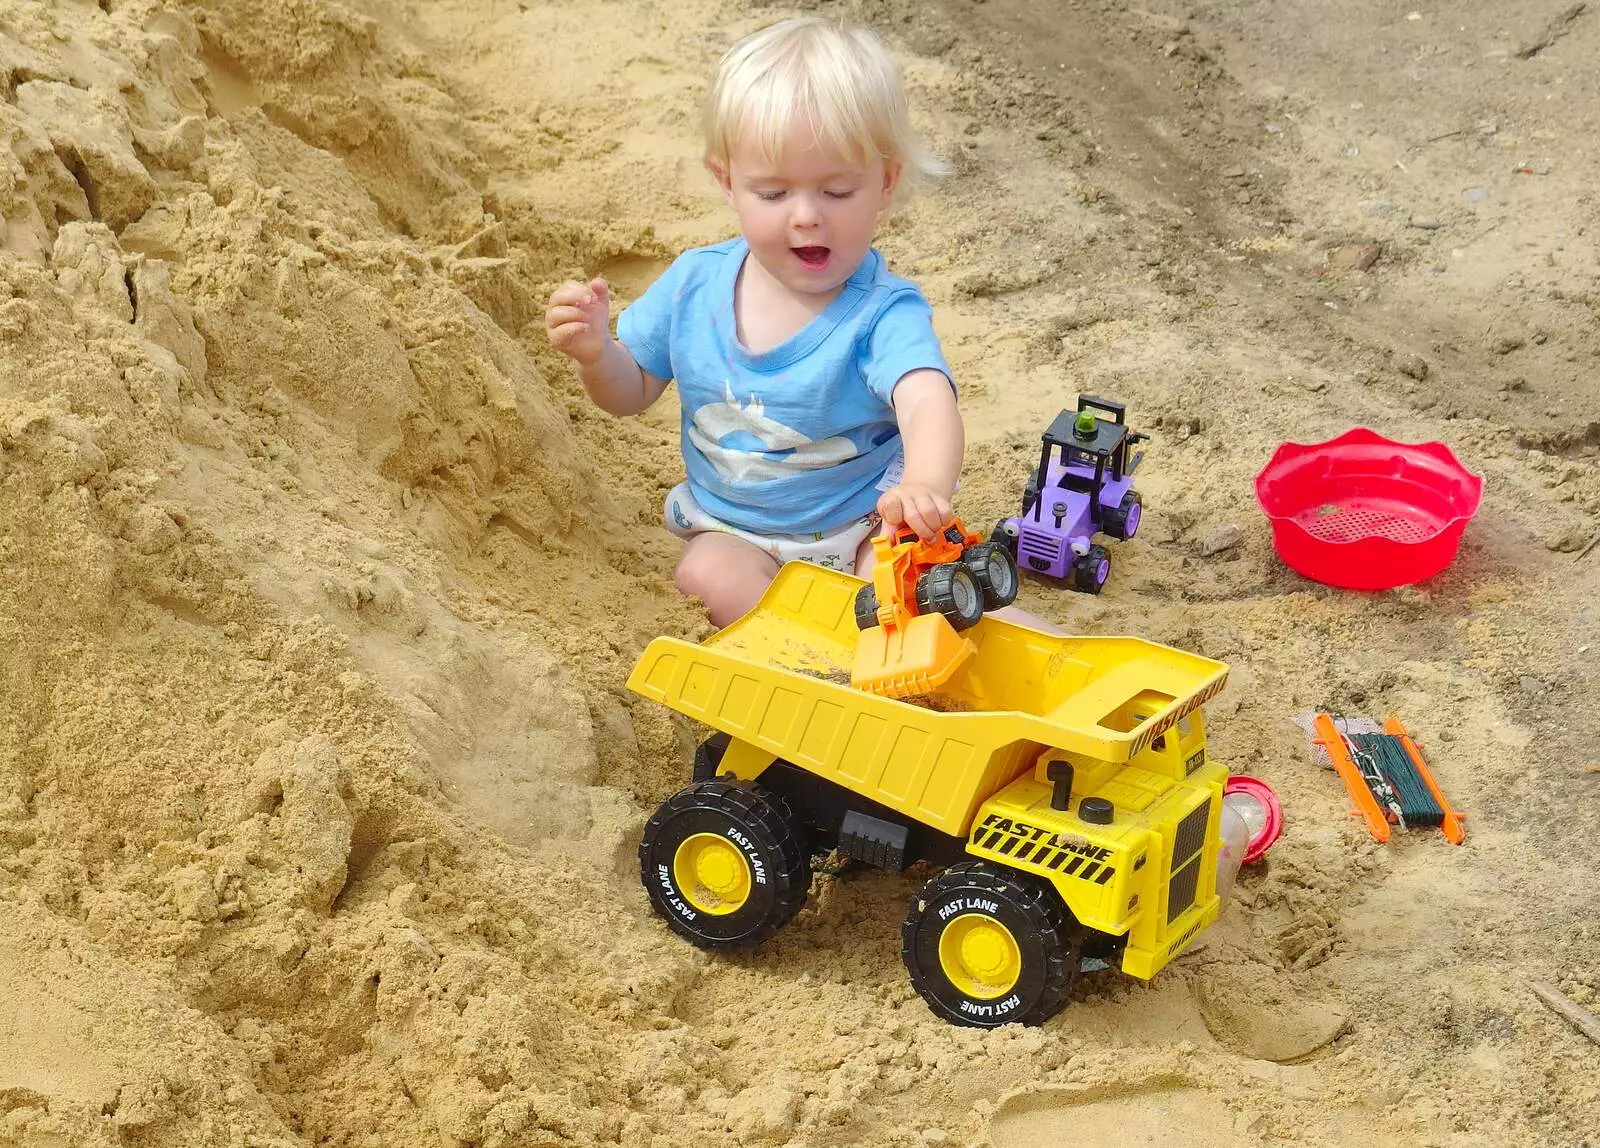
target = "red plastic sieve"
x: 1365, y: 512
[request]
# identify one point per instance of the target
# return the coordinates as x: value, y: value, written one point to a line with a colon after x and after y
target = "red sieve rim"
x: 1263, y: 793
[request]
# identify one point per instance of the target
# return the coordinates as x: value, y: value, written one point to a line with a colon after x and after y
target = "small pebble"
x: 1425, y: 222
x: 1475, y: 195
x: 1224, y: 537
x: 1379, y: 206
x: 1354, y: 256
x: 1413, y: 366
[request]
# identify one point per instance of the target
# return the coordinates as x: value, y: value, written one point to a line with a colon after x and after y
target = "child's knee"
x: 711, y: 567
x: 728, y: 576
x: 695, y: 574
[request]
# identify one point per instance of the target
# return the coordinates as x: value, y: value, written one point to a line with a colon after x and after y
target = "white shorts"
x: 685, y: 517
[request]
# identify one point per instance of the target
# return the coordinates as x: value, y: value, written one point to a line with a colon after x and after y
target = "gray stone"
x: 1224, y: 537
x: 1413, y: 366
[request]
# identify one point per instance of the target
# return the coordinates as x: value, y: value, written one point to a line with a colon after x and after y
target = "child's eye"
x: 769, y: 196
x: 840, y: 194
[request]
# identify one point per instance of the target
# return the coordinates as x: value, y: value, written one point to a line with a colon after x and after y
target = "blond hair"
x: 835, y: 77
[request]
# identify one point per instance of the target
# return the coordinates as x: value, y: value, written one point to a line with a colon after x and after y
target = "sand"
x: 320, y: 581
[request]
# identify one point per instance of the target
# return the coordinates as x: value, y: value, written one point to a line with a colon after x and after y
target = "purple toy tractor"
x: 1083, y: 487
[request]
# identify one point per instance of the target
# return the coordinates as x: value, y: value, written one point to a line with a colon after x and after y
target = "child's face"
x: 809, y: 216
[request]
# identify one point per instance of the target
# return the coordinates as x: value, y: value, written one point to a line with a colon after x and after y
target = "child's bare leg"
x: 864, y: 559
x: 727, y: 573
x: 864, y: 564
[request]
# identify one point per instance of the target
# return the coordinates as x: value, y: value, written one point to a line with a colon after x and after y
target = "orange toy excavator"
x: 922, y: 593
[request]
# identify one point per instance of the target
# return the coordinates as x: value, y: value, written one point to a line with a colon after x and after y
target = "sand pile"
x: 319, y: 582
x: 253, y: 441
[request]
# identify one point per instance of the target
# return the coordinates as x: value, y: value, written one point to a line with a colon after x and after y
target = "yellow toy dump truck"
x: 1062, y: 782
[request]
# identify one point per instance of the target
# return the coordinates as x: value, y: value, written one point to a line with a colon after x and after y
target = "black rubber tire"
x: 950, y: 589
x: 1002, y: 537
x: 1114, y: 522
x: 761, y: 826
x: 1048, y: 941
x: 995, y: 571
x: 866, y: 607
x: 1083, y: 570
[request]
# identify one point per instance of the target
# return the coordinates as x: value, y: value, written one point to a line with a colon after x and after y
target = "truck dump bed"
x: 778, y: 681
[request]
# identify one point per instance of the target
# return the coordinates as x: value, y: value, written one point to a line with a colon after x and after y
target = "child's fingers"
x: 559, y: 315
x: 567, y: 334
x: 919, y: 518
x: 571, y: 292
x: 601, y: 290
x: 890, y: 509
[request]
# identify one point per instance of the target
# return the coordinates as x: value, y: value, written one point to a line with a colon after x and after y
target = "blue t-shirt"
x: 794, y: 440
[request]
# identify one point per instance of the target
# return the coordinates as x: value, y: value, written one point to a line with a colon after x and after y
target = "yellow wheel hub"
x: 980, y: 956
x: 713, y: 874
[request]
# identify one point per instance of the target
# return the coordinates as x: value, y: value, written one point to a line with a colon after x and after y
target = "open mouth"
x: 814, y: 258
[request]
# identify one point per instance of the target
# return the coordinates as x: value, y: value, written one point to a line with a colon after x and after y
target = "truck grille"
x: 1186, y: 858
x: 1191, y: 833
x: 1039, y: 550
x: 1180, y: 891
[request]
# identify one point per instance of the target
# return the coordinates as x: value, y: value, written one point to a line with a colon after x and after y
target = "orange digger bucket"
x: 916, y: 657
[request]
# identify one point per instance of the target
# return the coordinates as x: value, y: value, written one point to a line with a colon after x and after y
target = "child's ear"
x: 891, y: 179
x: 719, y: 172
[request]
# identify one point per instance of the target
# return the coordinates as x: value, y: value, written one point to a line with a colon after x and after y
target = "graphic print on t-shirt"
x: 737, y: 438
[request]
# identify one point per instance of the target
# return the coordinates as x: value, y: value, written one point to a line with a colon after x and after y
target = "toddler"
x: 816, y: 403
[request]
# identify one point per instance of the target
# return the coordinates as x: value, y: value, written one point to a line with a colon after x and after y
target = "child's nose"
x: 805, y: 211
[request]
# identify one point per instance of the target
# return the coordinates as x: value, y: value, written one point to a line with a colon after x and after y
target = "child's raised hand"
x: 578, y: 319
x: 924, y: 508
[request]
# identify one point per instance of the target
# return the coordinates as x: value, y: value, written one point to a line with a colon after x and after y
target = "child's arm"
x: 934, y: 441
x: 578, y: 322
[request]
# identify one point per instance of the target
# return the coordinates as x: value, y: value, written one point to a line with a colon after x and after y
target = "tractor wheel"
x: 986, y: 946
x: 1090, y: 571
x: 866, y: 607
x: 995, y: 572
x: 725, y: 863
x: 1005, y: 534
x: 1122, y: 521
x: 950, y: 589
